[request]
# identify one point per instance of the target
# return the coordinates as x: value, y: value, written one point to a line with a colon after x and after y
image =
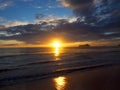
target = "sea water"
x: 26, y: 64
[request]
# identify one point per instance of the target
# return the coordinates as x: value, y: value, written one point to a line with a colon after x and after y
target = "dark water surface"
x: 26, y: 64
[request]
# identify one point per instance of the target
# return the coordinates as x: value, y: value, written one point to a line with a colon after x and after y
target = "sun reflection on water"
x: 57, y: 51
x: 60, y: 83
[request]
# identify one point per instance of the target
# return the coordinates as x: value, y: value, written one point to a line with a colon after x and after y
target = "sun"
x: 57, y: 47
x: 56, y: 44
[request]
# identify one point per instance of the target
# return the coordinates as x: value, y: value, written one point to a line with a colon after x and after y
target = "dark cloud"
x: 72, y: 32
x: 99, y: 12
x: 76, y: 4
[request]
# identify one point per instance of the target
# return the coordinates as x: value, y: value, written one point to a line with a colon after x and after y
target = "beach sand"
x: 106, y: 78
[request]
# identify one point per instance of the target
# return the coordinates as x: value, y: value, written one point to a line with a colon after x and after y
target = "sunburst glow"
x: 56, y: 44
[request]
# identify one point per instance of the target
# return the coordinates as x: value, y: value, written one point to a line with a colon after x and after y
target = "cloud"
x: 11, y: 23
x: 99, y: 12
x: 76, y: 4
x: 10, y: 43
x: 66, y: 28
x: 68, y: 31
x: 15, y: 23
x: 54, y: 19
x: 5, y: 4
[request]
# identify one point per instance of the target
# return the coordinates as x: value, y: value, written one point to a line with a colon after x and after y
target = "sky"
x: 38, y: 22
x: 26, y: 10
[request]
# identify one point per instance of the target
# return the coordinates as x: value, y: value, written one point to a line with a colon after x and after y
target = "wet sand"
x: 106, y: 78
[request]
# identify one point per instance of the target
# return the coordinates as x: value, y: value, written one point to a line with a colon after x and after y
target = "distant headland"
x: 85, y: 45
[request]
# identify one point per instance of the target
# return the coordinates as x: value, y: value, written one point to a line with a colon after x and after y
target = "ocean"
x: 18, y: 65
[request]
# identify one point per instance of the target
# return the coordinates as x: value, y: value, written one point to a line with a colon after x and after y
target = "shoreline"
x: 105, y: 78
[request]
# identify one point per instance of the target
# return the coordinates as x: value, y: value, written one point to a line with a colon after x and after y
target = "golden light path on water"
x: 57, y: 46
x: 60, y: 83
x: 57, y: 52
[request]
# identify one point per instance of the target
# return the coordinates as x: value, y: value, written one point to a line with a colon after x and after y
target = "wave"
x: 21, y: 79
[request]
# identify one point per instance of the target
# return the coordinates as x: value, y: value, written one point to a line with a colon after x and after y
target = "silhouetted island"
x: 85, y: 45
x: 118, y: 45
